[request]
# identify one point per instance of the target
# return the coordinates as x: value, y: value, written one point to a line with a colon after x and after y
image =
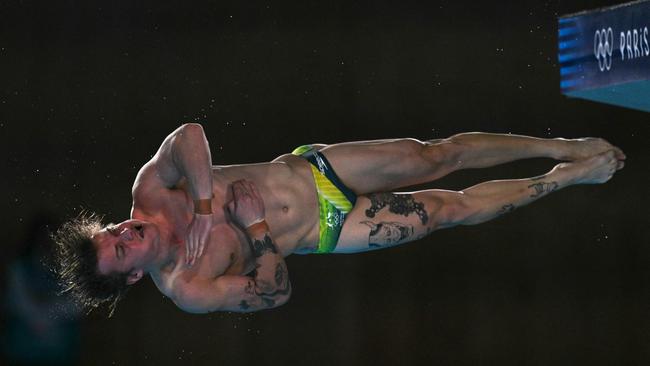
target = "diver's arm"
x: 184, y: 153
x: 268, y: 288
x: 247, y: 210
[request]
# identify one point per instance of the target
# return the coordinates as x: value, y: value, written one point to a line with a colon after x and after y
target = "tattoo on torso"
x: 400, y: 204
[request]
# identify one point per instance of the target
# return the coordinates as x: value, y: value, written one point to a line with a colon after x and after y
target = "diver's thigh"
x: 381, y: 165
x: 385, y: 220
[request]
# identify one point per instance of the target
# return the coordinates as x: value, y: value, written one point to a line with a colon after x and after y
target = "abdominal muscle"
x: 291, y: 207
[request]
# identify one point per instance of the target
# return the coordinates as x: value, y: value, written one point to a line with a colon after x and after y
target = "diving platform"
x: 604, y: 55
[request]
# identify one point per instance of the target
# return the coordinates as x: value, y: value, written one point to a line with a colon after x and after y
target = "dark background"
x: 88, y: 91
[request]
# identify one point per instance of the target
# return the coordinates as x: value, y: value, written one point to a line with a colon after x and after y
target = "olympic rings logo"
x: 603, y: 47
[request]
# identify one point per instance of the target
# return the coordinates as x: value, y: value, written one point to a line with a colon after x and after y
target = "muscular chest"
x: 227, y: 252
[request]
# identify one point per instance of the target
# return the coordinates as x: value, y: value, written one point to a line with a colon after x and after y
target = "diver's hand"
x: 247, y: 206
x: 198, y: 234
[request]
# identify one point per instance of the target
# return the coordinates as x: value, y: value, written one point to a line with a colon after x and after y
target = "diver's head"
x: 97, y: 264
x: 130, y: 248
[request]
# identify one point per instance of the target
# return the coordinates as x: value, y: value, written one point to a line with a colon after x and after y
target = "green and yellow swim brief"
x: 335, y: 200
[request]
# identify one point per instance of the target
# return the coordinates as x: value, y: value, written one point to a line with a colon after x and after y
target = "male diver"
x: 214, y: 238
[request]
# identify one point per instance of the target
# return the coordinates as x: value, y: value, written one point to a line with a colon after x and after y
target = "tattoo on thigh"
x: 400, y: 204
x: 424, y: 234
x: 543, y: 188
x: 506, y: 209
x: 387, y: 233
x: 261, y: 247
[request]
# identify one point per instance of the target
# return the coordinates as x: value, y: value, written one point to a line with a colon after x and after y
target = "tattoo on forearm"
x: 268, y: 297
x: 268, y: 302
x: 543, y: 188
x: 263, y: 293
x: 280, y: 274
x: 506, y: 209
x: 261, y: 247
x: 400, y: 204
x: 252, y: 273
x: 249, y: 288
x: 387, y: 233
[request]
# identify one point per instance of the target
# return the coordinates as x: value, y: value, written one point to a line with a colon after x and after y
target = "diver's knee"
x: 443, y: 153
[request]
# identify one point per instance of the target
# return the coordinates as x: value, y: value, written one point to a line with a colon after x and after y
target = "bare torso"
x: 287, y: 188
x: 229, y: 275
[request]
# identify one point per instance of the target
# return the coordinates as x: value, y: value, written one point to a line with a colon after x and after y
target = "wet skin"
x: 231, y: 276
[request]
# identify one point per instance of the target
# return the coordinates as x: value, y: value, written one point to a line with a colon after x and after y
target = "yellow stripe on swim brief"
x: 329, y: 191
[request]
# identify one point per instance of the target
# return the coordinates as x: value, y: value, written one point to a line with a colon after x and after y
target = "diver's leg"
x: 386, y: 165
x: 483, y: 150
x: 388, y: 219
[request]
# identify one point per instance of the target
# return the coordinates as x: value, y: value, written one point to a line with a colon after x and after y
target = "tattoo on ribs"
x: 387, y: 233
x: 261, y: 247
x: 506, y: 209
x: 400, y: 204
x: 543, y: 188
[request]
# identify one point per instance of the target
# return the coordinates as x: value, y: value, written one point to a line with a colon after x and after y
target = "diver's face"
x: 127, y: 247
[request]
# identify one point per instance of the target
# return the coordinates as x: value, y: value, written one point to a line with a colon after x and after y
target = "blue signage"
x: 604, y: 55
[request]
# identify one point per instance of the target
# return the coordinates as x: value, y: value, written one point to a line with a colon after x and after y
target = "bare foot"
x: 577, y: 149
x: 594, y: 170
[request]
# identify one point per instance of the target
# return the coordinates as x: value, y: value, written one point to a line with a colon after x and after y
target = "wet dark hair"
x: 76, y: 266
